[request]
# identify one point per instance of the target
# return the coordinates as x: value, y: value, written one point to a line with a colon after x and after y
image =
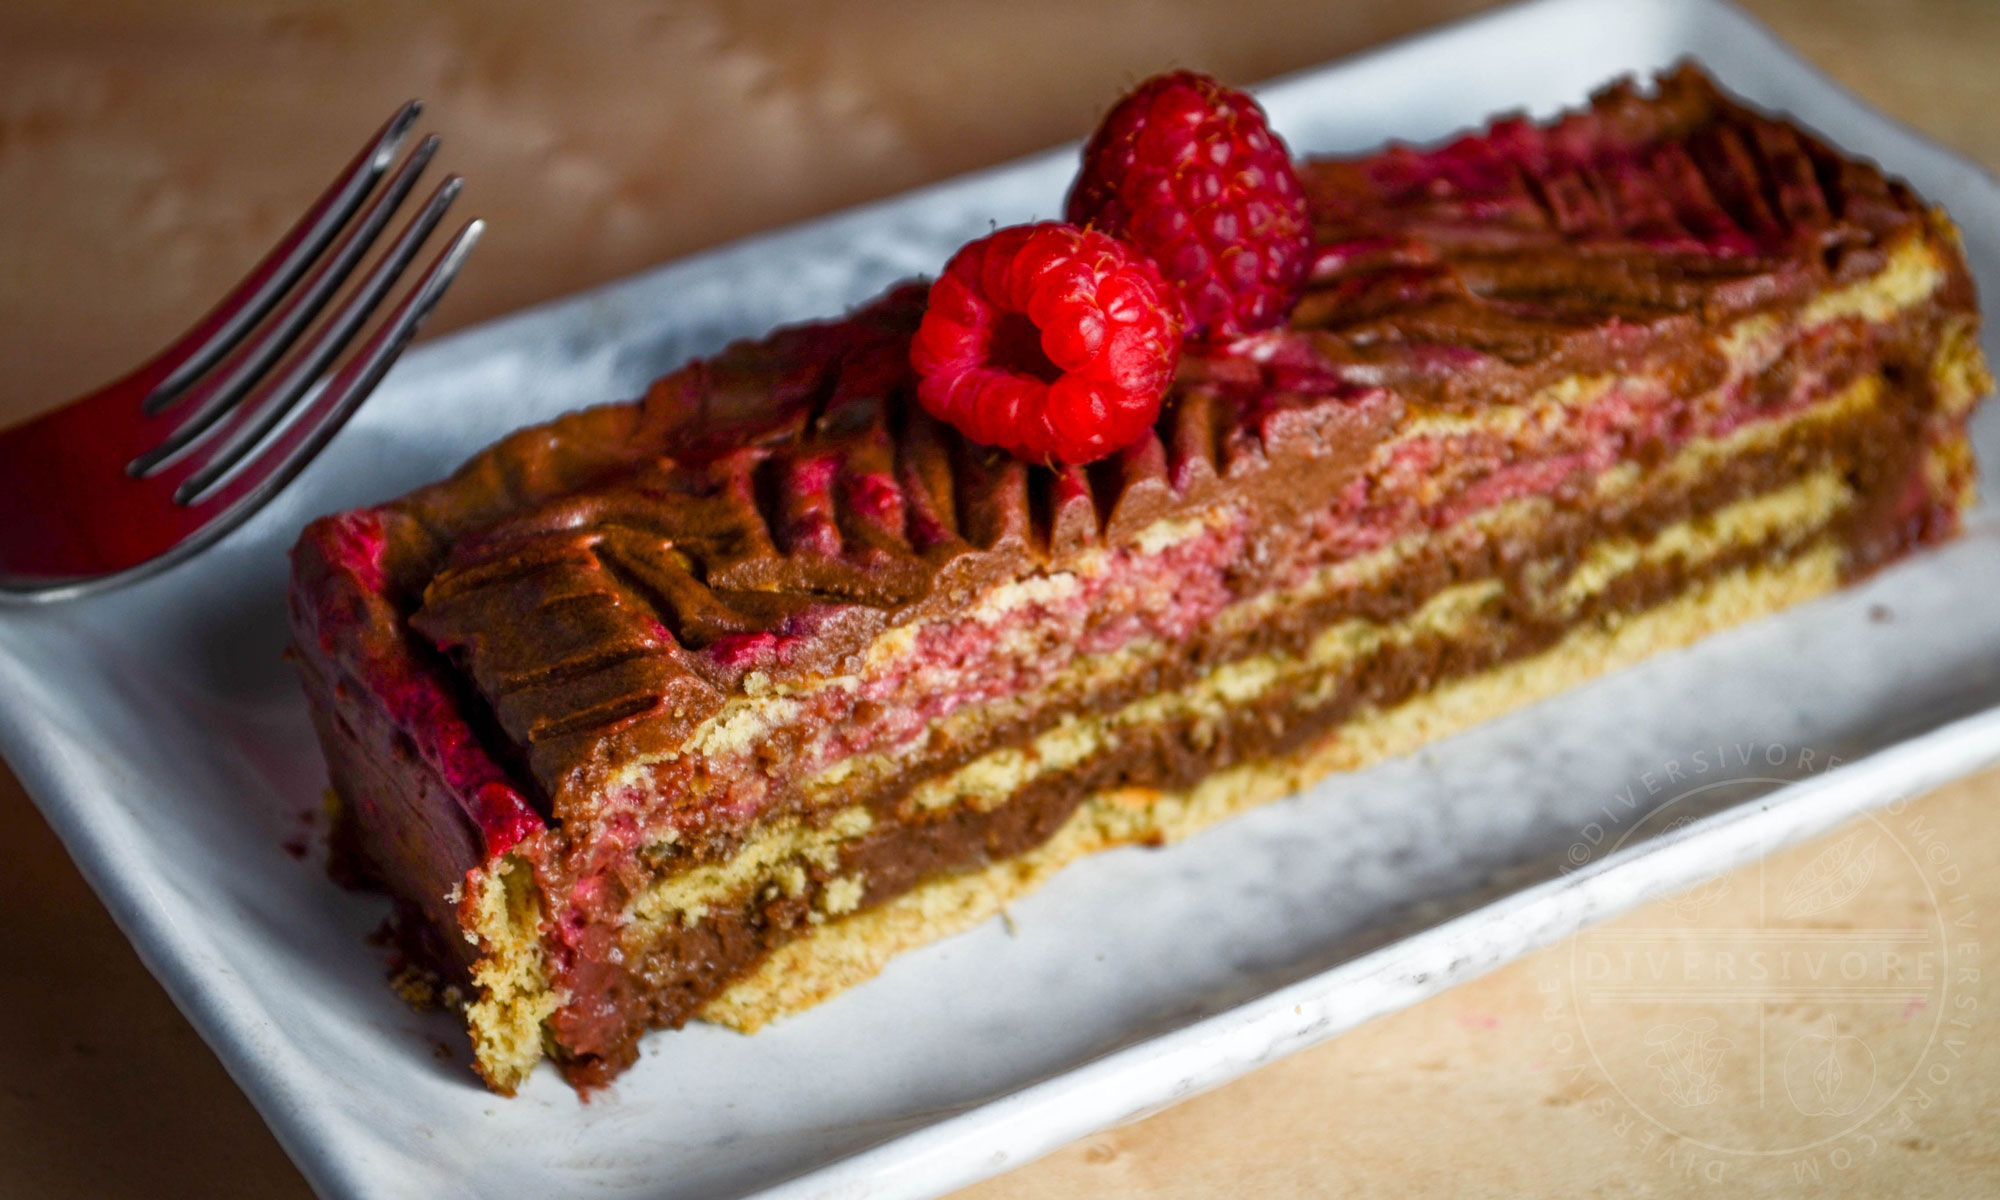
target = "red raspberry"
x: 1189, y: 172
x: 1048, y: 341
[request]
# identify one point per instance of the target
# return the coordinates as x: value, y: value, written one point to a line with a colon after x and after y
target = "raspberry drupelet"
x: 1189, y: 172
x: 1051, y: 342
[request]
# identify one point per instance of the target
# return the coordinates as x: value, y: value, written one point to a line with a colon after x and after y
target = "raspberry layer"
x: 640, y: 697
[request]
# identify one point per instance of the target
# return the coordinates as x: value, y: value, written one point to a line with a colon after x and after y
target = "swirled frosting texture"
x: 601, y: 585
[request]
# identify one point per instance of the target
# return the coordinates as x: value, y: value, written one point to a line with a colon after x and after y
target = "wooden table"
x: 147, y: 156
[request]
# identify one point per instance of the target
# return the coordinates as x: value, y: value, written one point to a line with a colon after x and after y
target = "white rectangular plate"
x: 169, y: 747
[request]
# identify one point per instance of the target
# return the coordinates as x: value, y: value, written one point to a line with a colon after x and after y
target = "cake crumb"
x: 417, y: 987
x: 842, y: 895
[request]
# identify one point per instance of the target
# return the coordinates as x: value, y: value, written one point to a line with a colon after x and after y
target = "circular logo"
x: 1774, y: 1012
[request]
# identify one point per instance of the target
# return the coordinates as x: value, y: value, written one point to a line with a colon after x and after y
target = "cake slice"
x: 705, y: 705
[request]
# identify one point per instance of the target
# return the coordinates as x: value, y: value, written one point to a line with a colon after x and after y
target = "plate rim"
x: 1029, y: 1122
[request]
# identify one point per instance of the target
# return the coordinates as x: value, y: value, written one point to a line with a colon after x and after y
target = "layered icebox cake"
x: 705, y: 705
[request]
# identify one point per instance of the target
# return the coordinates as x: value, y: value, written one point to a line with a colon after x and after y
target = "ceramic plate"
x: 169, y: 747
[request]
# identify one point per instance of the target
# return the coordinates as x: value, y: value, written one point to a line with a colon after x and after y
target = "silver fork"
x: 146, y: 472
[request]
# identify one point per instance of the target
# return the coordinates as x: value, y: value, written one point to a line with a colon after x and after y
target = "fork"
x: 146, y: 472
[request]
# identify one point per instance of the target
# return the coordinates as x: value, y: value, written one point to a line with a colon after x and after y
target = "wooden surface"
x: 147, y: 156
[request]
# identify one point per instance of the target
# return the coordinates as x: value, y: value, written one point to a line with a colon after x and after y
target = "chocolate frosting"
x: 607, y: 581
x: 794, y: 503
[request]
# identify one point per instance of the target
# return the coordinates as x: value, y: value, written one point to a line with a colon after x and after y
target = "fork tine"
x: 224, y: 326
x: 273, y: 400
x: 246, y: 489
x: 216, y: 396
